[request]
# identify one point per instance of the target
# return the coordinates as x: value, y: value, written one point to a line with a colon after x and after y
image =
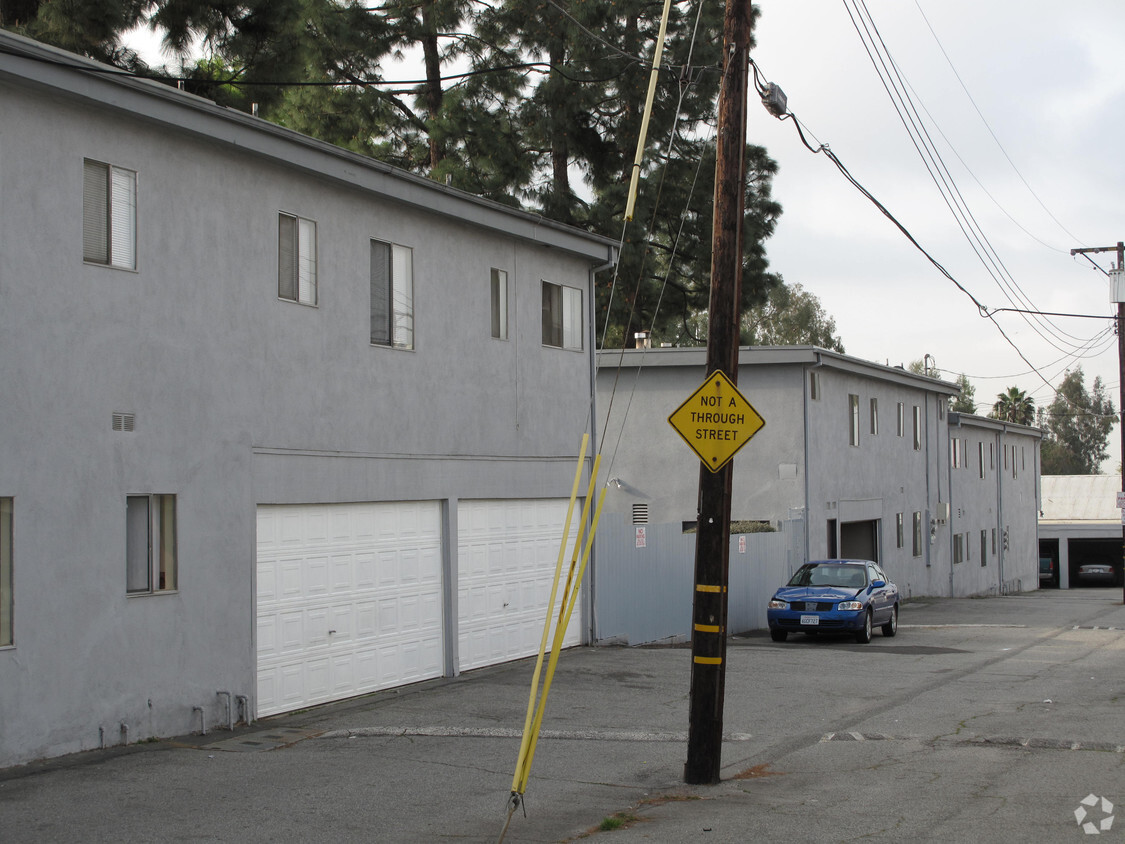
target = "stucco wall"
x: 882, y: 476
x: 240, y: 399
x: 837, y: 483
x: 1001, y: 499
x: 657, y: 467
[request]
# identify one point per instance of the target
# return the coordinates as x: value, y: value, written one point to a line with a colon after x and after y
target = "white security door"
x: 507, y: 553
x: 348, y: 600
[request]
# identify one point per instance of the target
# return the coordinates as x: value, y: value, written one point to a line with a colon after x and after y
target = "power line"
x: 824, y: 149
x: 987, y: 126
x: 893, y: 80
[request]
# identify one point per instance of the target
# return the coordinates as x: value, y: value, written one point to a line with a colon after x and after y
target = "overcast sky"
x: 1025, y: 103
x: 1049, y: 81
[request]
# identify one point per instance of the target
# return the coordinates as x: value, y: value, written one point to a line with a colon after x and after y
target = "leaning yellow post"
x: 560, y: 628
x: 523, y: 769
x: 516, y: 789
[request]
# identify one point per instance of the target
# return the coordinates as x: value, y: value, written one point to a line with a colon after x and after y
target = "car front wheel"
x: 891, y: 627
x: 864, y: 635
x: 779, y: 635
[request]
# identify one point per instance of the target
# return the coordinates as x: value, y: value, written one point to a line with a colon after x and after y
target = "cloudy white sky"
x: 1049, y: 80
x: 1026, y: 104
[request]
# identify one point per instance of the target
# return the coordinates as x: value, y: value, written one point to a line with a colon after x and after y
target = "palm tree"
x: 1014, y: 406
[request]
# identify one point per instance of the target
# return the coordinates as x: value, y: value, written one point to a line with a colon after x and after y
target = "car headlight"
x: 776, y: 604
x: 850, y: 605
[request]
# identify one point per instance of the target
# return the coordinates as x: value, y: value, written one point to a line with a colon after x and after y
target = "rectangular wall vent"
x: 640, y: 514
x: 124, y: 422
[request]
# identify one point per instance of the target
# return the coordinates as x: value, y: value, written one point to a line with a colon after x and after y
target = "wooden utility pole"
x: 1120, y: 249
x: 712, y: 544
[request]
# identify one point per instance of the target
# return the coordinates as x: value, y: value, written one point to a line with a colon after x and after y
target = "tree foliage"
x: 1014, y: 405
x: 790, y: 316
x: 966, y: 400
x: 1076, y: 427
x: 91, y: 29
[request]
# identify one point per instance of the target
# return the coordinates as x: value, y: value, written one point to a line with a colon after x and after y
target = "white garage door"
x: 348, y: 600
x: 507, y: 552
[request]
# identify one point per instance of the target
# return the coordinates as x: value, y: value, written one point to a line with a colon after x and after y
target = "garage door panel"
x: 369, y: 572
x: 507, y: 554
x: 364, y: 570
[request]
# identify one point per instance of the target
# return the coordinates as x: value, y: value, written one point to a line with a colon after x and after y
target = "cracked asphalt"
x: 987, y: 719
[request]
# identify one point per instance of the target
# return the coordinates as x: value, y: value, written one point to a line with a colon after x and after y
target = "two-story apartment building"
x: 855, y: 460
x: 281, y: 424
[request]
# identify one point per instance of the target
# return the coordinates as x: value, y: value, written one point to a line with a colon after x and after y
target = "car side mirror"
x: 878, y: 584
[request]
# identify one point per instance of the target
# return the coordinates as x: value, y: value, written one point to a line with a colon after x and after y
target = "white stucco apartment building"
x: 281, y: 424
x: 855, y: 460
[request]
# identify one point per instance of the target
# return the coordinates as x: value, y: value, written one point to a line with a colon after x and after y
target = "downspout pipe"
x: 805, y: 389
x: 948, y: 491
x: 230, y: 711
x: 244, y: 708
x: 1000, y: 511
x: 592, y: 335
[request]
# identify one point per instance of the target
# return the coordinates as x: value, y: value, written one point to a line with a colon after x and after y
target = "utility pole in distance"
x: 712, y: 544
x: 1118, y: 295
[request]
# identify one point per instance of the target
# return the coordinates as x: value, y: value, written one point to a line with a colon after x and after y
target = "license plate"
x: 810, y: 619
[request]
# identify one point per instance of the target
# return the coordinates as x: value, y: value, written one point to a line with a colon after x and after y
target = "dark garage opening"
x: 859, y: 540
x: 1049, y: 550
x: 1104, y: 551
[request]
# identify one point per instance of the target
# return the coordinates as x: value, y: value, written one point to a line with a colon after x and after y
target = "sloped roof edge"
x: 28, y: 62
x: 775, y: 355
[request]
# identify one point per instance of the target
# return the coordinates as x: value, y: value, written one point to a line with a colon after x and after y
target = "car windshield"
x: 852, y: 577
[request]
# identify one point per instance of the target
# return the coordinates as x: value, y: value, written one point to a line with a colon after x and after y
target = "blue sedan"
x: 835, y: 596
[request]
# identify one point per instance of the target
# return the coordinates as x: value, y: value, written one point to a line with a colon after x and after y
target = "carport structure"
x: 1079, y: 523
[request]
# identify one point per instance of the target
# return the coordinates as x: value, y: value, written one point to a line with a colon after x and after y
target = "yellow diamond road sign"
x: 716, y: 421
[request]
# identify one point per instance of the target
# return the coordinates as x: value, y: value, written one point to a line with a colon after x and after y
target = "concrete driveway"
x: 988, y: 719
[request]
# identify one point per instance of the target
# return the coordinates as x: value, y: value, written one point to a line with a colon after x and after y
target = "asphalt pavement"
x: 987, y: 719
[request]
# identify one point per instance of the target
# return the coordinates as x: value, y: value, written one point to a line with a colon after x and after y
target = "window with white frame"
x: 296, y: 259
x: 900, y: 538
x: 874, y: 417
x: 916, y: 545
x: 150, y: 544
x: 917, y: 428
x: 901, y: 419
x: 980, y: 457
x: 562, y: 316
x: 958, y: 548
x: 984, y: 547
x: 6, y: 602
x: 109, y: 215
x: 955, y: 450
x: 853, y: 416
x: 499, y: 304
x: 392, y: 295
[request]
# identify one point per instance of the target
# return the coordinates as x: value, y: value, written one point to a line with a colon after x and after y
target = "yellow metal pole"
x: 560, y: 630
x: 635, y: 177
x: 523, y: 769
x: 547, y: 623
